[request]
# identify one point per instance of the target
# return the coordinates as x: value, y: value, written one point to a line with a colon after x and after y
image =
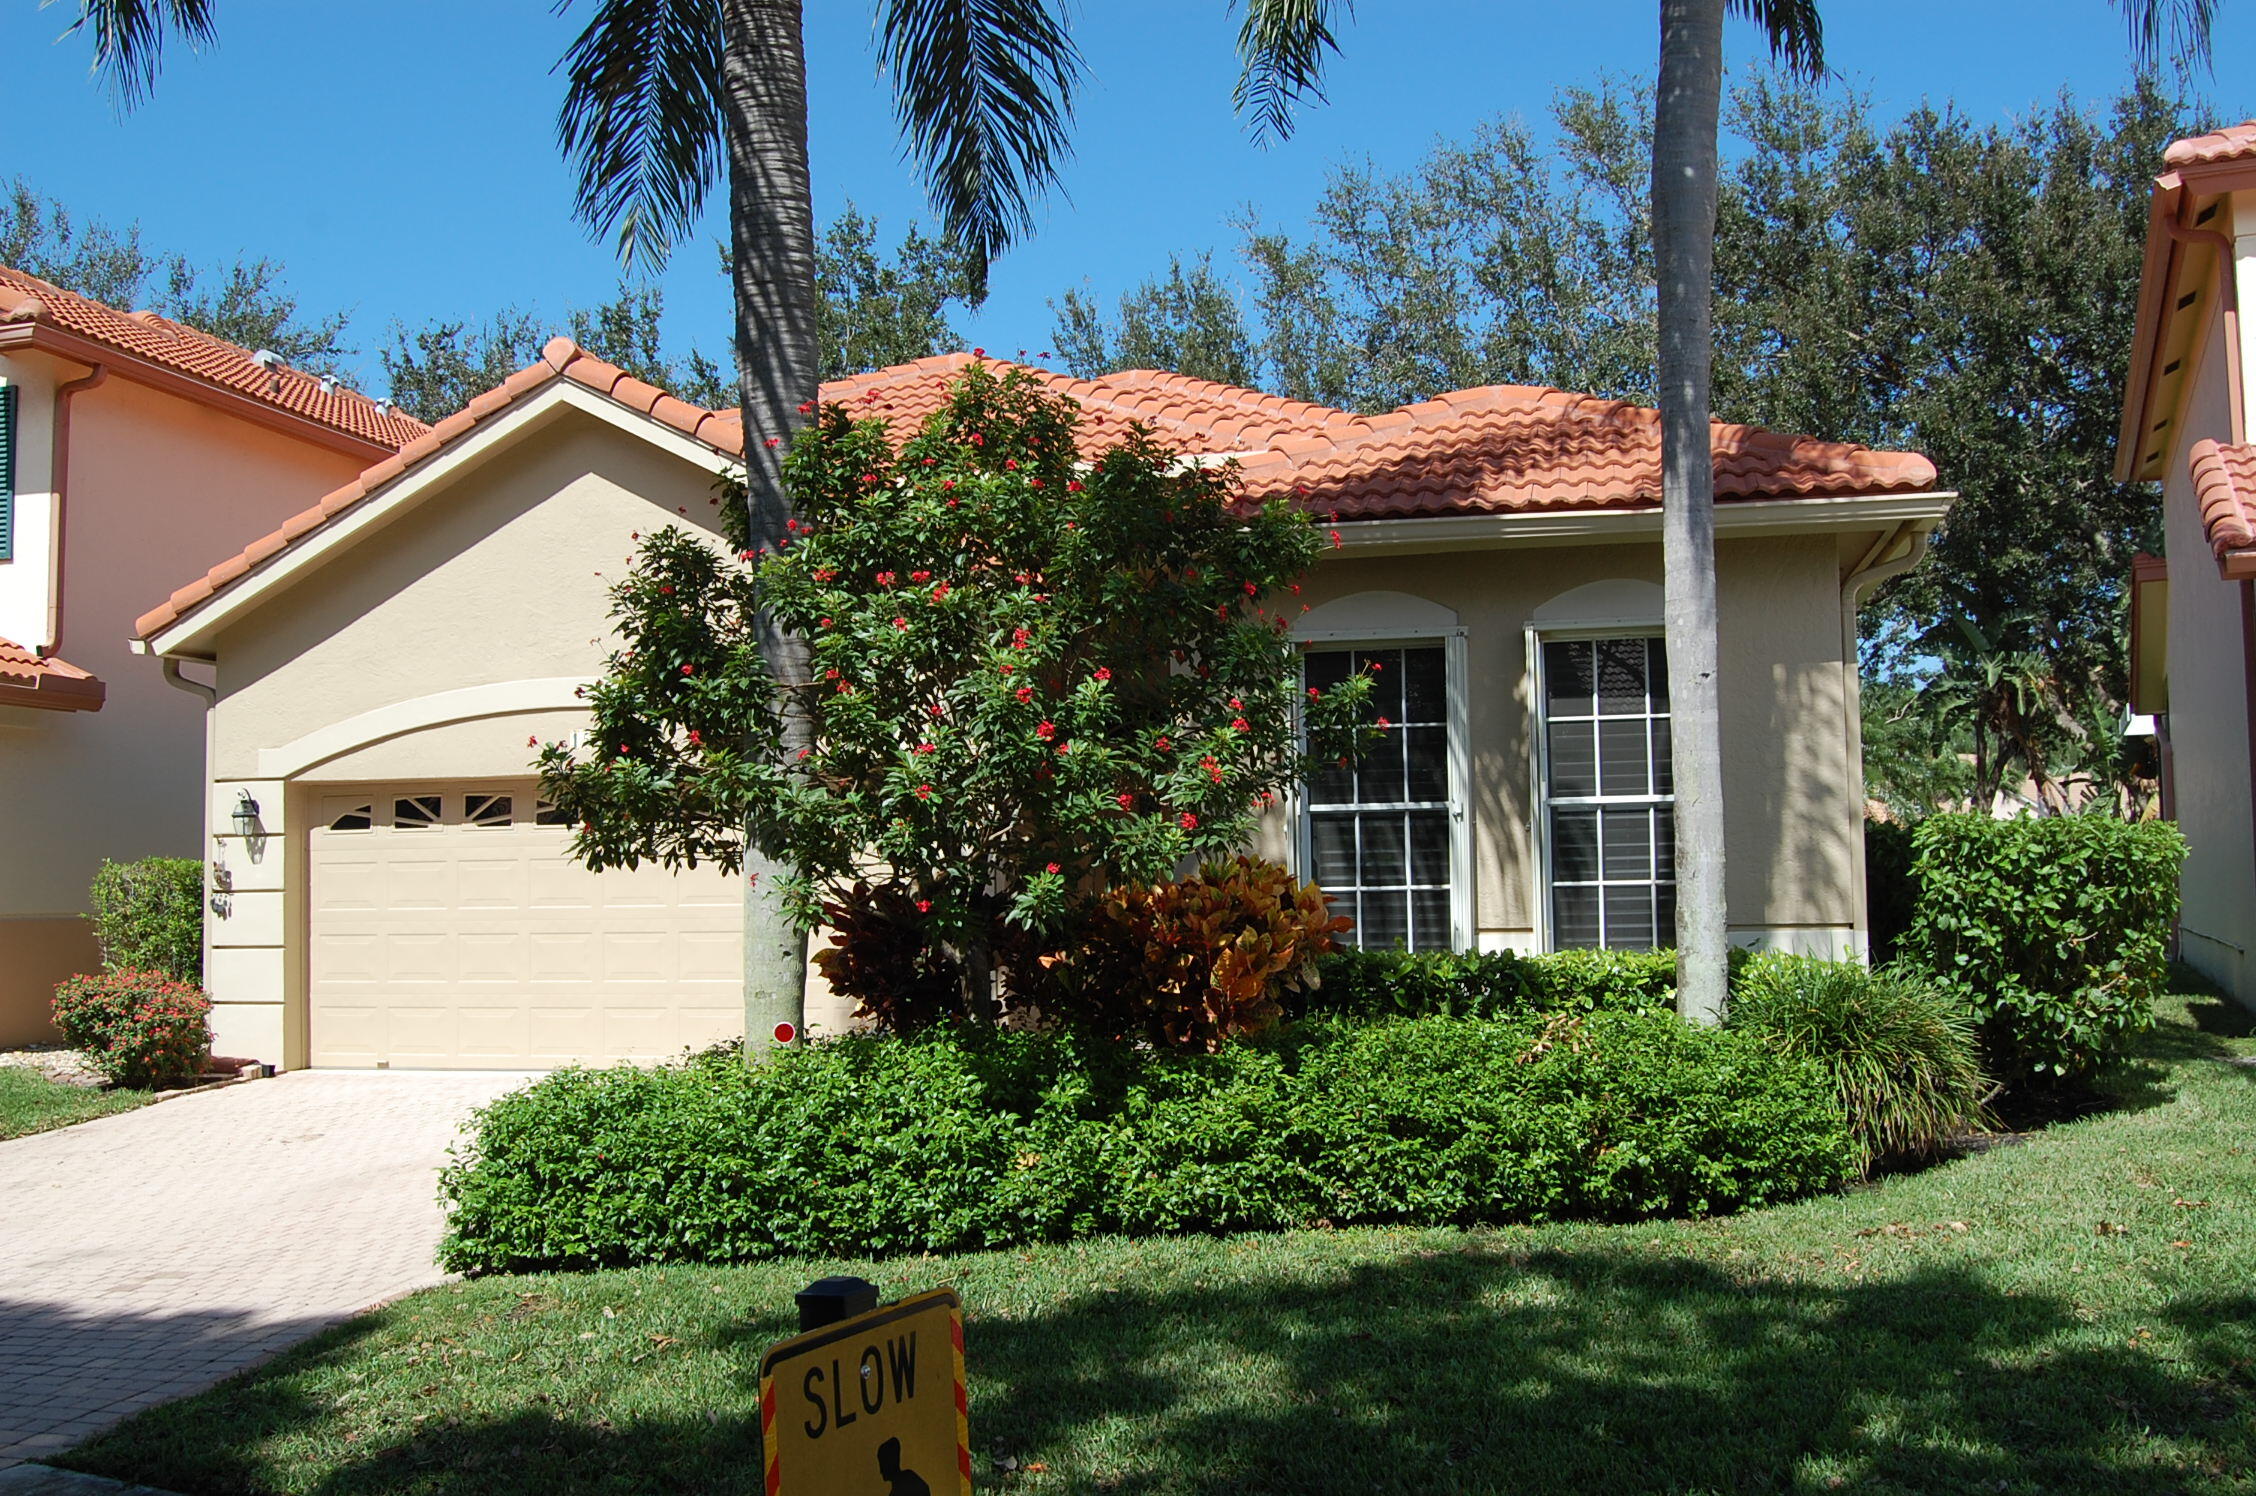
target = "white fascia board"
x: 190, y: 637
x: 1734, y: 517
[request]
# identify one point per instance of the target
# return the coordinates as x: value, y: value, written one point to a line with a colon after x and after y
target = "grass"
x: 2073, y: 1313
x: 30, y: 1102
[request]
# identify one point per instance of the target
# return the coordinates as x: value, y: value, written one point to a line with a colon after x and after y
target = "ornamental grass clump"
x: 1037, y: 672
x: 1903, y: 1055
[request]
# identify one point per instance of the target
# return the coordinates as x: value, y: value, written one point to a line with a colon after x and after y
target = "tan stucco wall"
x: 160, y: 488
x: 2208, y: 716
x: 1791, y: 806
x: 36, y: 954
x: 500, y: 576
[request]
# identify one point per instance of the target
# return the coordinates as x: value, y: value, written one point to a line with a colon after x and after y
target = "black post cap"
x: 826, y: 1301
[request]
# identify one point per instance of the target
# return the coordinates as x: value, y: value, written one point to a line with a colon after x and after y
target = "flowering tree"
x: 1033, y: 678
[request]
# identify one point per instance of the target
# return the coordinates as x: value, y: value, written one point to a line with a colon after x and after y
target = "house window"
x: 1379, y: 834
x: 415, y: 812
x: 1607, y: 797
x: 486, y: 810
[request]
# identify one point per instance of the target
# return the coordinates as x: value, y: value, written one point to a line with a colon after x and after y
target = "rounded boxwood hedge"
x: 972, y: 1139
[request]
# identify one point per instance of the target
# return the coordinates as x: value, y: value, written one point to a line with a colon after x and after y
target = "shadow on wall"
x: 1485, y: 1368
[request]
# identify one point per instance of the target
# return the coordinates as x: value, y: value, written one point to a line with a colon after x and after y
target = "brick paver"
x: 148, y: 1255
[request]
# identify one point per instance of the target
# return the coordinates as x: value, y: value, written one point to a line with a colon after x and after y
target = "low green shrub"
x: 969, y: 1139
x: 149, y: 916
x: 136, y: 1027
x: 1489, y: 984
x: 2054, y: 931
x: 1889, y: 887
x: 1903, y: 1056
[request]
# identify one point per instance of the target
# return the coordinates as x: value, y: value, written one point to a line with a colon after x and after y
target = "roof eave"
x: 1735, y: 518
x: 54, y: 693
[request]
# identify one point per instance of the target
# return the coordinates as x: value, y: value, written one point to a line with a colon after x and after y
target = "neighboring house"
x: 131, y: 447
x: 396, y: 893
x: 2185, y: 425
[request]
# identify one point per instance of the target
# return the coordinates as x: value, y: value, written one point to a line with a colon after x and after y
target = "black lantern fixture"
x: 246, y: 815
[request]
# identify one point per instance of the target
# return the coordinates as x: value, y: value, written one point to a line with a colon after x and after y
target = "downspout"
x: 1876, y: 565
x: 173, y: 677
x: 58, y: 479
x: 2223, y: 284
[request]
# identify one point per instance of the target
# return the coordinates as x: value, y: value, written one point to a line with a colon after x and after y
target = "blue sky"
x: 400, y: 159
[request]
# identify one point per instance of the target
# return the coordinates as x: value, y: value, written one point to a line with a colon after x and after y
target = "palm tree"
x: 661, y: 94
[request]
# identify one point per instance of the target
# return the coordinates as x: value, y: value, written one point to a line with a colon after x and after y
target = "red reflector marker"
x: 785, y: 1033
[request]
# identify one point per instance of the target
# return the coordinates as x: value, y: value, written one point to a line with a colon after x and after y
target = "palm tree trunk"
x: 1684, y: 212
x: 772, y: 252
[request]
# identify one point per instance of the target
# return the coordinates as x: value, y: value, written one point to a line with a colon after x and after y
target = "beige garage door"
x: 449, y: 928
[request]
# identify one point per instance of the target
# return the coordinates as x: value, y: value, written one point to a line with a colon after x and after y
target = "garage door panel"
x: 457, y: 933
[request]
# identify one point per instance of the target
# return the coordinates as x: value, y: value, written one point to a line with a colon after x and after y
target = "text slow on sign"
x: 873, y: 1405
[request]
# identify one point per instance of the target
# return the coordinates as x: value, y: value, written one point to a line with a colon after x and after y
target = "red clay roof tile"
x: 2229, y: 144
x: 2224, y: 485
x: 1499, y: 449
x: 34, y: 680
x: 184, y: 350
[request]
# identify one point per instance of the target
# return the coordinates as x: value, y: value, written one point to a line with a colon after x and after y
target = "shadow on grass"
x: 1482, y: 1369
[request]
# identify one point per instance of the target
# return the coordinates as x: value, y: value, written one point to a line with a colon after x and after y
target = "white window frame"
x: 1539, y: 751
x: 1453, y: 654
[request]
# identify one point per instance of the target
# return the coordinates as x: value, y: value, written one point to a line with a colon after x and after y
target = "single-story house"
x: 2185, y: 425
x: 131, y: 446
x: 378, y: 668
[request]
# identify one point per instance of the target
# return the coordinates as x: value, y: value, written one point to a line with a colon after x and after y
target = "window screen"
x: 1607, y: 794
x: 1378, y: 831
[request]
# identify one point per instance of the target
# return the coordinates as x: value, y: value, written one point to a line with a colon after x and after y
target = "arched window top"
x: 1376, y: 614
x: 1612, y: 602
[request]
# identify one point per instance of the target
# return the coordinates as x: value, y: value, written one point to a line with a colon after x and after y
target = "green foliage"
x: 1917, y: 749
x: 986, y: 1138
x: 437, y: 369
x: 1490, y: 984
x: 149, y: 915
x: 1032, y: 677
x: 1902, y: 1054
x: 244, y: 302
x: 1188, y: 323
x: 1889, y: 887
x: 874, y: 311
x: 2055, y: 931
x: 136, y: 1027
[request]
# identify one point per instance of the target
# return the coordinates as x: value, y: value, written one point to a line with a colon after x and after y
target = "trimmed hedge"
x: 1489, y: 984
x: 2054, y: 931
x: 954, y: 1141
x: 149, y: 916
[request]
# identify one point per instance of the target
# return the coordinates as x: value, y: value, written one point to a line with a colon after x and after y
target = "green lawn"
x: 2076, y: 1313
x: 30, y: 1102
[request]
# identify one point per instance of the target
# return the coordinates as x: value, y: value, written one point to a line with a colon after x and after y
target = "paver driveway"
x: 150, y: 1254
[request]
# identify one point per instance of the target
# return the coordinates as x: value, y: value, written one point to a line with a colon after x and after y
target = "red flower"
x: 885, y: 579
x: 1053, y: 868
x: 696, y: 738
x: 1104, y: 673
x: 824, y: 574
x: 924, y: 906
x: 1024, y: 693
x: 1046, y: 731
x: 1187, y: 821
x: 1127, y: 802
x: 1010, y: 464
x: 978, y: 353
x: 924, y: 792
x: 1019, y: 638
x: 804, y: 752
x: 1164, y: 744
x: 1239, y: 724
x: 1314, y: 694
x: 927, y: 462
x: 1007, y: 669
x: 1236, y: 705
x: 1336, y: 541
x: 902, y: 624
x: 940, y: 592
x: 1073, y: 485
x: 920, y: 576
x: 775, y: 441
x: 977, y: 440
x: 1250, y: 589
x: 1376, y: 665
x: 830, y: 675
x: 1384, y: 724
x: 826, y: 623
x: 948, y: 483
x: 1033, y: 483
x: 928, y: 747
x: 806, y: 406
x: 1296, y: 589
x: 668, y: 589
x: 871, y: 479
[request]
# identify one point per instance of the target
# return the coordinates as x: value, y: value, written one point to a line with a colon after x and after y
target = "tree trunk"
x: 1684, y: 213
x: 772, y: 251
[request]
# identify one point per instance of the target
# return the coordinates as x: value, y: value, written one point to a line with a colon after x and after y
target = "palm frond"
x: 1797, y: 34
x: 641, y: 120
x: 1281, y: 50
x: 2183, y: 25
x: 984, y: 90
x: 129, y: 38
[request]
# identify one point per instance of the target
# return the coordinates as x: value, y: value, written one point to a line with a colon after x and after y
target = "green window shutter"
x: 7, y: 472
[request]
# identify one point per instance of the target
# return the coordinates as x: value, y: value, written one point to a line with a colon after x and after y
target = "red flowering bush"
x: 1190, y: 963
x: 136, y: 1027
x: 1033, y: 677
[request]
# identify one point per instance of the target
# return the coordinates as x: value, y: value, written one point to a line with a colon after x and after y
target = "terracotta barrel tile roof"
x: 2224, y: 485
x: 1498, y: 449
x: 2229, y: 144
x: 28, y: 679
x: 184, y: 350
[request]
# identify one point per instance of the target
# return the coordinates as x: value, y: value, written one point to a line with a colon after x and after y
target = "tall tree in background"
x: 243, y: 302
x: 877, y: 310
x: 663, y: 96
x: 1186, y: 322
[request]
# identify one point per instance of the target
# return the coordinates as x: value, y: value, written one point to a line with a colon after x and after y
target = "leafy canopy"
x: 1032, y: 677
